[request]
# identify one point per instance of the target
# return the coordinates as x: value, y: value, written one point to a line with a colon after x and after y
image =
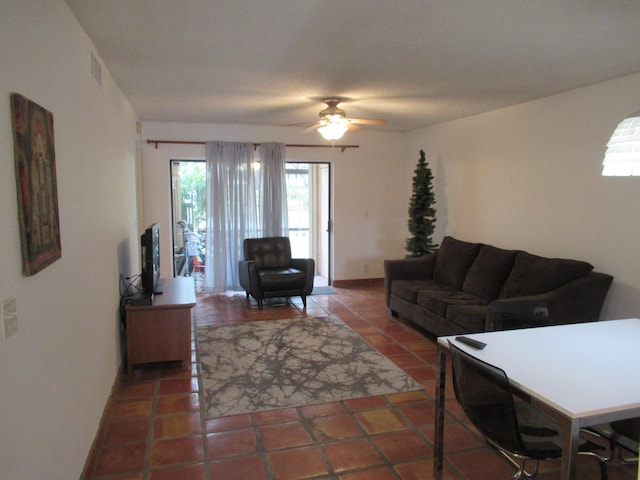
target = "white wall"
x: 58, y: 369
x: 529, y: 177
x: 522, y: 177
x: 369, y: 196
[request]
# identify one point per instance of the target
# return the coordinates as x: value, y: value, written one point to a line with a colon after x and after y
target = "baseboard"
x: 358, y: 282
x: 92, y: 458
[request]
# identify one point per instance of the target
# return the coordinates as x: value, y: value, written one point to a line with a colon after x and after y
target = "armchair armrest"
x: 247, y: 272
x: 307, y: 265
x: 408, y: 269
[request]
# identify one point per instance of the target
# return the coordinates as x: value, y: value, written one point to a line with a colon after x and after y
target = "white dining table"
x: 579, y: 375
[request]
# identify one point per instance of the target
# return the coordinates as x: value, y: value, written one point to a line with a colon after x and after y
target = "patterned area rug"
x: 252, y: 367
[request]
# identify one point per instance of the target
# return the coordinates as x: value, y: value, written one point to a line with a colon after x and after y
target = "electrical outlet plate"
x: 9, y: 314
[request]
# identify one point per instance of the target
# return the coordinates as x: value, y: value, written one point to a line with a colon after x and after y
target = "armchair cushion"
x: 281, y: 278
x: 272, y: 252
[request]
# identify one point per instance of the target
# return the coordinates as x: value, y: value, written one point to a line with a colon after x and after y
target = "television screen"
x: 150, y: 257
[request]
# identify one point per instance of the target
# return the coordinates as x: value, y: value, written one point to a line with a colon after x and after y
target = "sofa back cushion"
x: 532, y: 275
x: 489, y: 271
x: 453, y: 262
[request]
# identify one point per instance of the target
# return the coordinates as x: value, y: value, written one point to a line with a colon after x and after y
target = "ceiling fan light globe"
x: 332, y: 131
x: 335, y: 119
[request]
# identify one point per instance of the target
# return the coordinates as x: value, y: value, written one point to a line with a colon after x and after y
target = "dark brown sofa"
x: 472, y: 287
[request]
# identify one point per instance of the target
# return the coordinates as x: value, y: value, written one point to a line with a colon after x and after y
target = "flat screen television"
x: 150, y: 257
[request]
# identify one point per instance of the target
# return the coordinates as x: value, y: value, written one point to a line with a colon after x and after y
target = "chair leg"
x: 603, y: 470
x: 592, y: 449
x: 518, y: 462
x: 304, y: 300
x: 259, y: 303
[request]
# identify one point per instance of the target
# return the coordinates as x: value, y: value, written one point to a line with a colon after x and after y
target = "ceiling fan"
x: 334, y: 123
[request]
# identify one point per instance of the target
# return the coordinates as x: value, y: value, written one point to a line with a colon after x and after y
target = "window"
x: 622, y: 157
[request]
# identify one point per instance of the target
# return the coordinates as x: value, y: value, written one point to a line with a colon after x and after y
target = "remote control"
x: 471, y: 342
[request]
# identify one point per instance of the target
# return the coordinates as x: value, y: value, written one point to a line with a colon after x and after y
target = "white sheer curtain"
x: 232, y: 213
x: 273, y: 190
x: 233, y: 210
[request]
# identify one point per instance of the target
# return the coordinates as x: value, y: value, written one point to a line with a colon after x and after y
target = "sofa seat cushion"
x: 489, y: 271
x: 471, y: 318
x: 439, y: 301
x: 532, y: 275
x: 453, y: 261
x: 408, y: 289
x: 281, y: 278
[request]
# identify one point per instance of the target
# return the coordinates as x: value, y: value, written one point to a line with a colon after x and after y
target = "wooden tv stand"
x: 161, y: 332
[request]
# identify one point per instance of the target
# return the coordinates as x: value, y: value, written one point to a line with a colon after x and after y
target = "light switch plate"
x: 9, y: 314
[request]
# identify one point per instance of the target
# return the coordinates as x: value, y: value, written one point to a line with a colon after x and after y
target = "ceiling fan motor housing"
x: 332, y: 108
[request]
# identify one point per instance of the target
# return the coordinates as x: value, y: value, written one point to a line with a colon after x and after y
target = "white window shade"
x: 622, y: 157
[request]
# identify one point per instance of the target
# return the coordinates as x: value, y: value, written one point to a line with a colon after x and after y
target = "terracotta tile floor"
x: 154, y: 429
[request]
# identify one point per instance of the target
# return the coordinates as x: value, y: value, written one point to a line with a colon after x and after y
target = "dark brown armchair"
x: 268, y: 270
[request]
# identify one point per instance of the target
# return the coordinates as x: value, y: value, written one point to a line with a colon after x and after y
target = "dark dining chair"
x: 623, y: 437
x: 505, y: 315
x: 506, y: 418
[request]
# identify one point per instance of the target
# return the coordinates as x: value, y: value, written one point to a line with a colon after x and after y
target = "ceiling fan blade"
x: 311, y: 128
x: 367, y: 121
x: 300, y: 124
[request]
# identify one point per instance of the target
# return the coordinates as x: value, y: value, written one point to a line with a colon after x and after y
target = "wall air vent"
x: 96, y: 69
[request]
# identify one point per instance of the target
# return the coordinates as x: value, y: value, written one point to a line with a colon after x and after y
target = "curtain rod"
x: 255, y: 145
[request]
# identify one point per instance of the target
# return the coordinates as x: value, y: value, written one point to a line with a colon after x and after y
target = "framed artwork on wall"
x: 35, y: 170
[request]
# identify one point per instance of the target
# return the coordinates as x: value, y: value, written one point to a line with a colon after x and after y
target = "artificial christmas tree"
x: 422, y: 214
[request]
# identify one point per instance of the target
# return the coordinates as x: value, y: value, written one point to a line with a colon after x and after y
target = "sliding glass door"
x: 308, y: 191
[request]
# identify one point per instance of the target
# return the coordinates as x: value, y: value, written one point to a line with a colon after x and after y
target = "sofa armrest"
x: 578, y: 301
x: 408, y: 269
x: 307, y: 265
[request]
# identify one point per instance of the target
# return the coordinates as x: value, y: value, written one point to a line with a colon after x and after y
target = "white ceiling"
x: 412, y: 62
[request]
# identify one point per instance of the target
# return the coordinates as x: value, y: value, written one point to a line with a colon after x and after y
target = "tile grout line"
x: 150, y: 434
x: 201, y: 402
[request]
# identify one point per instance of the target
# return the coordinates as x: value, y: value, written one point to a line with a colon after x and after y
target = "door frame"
x: 321, y: 211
